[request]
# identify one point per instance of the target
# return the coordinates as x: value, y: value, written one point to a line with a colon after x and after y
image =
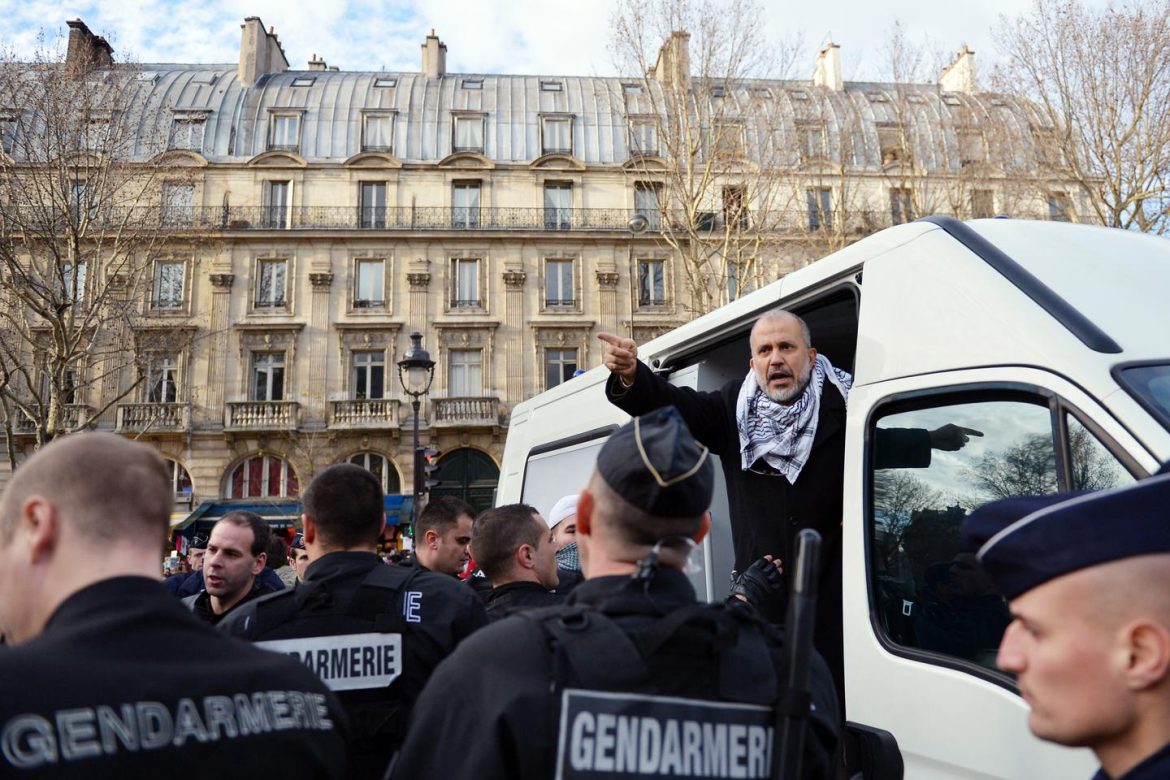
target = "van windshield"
x: 1150, y: 385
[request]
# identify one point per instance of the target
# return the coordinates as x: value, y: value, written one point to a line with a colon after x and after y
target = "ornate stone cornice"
x: 222, y: 281
x: 418, y: 280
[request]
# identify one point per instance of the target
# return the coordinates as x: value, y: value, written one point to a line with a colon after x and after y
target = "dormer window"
x: 384, y: 83
x: 285, y: 132
x: 472, y: 84
x: 304, y: 81
x: 551, y: 86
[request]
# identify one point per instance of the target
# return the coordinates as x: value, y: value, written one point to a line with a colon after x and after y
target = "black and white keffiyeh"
x: 780, y: 435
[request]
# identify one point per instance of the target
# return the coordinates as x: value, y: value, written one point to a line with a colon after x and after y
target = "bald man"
x: 91, y: 687
x: 1088, y: 584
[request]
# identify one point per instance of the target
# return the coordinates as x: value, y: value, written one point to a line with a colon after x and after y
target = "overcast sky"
x: 554, y: 37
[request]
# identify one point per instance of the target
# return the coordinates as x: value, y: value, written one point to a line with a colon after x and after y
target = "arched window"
x: 180, y: 479
x: 382, y: 468
x: 262, y: 476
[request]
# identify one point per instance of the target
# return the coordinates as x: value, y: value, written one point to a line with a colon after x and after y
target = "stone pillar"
x: 318, y: 364
x: 514, y: 335
x: 607, y: 285
x: 419, y: 282
x: 217, y: 357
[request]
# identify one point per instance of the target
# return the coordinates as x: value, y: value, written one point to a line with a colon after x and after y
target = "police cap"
x: 1025, y: 542
x: 654, y: 463
x: 198, y: 542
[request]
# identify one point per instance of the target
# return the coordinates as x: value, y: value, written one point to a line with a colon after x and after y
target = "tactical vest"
x: 356, y: 649
x: 617, y: 712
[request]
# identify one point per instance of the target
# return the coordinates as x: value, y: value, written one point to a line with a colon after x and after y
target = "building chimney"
x: 86, y: 51
x: 317, y: 63
x: 260, y: 52
x: 434, y: 57
x: 674, y: 60
x: 828, y: 72
x: 959, y: 76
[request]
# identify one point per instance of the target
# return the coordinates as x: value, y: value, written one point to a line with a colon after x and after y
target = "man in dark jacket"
x: 516, y: 550
x: 633, y: 678
x: 373, y: 632
x: 237, y: 553
x: 780, y: 437
x: 109, y: 676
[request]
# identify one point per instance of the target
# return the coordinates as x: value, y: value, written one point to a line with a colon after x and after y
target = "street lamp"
x: 415, y: 372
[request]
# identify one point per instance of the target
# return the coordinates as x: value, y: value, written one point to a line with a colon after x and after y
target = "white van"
x: 1051, y: 339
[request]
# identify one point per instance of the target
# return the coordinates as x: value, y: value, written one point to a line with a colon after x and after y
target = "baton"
x: 799, y: 624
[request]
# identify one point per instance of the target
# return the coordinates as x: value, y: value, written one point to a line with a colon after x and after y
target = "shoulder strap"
x: 377, y: 591
x: 599, y: 653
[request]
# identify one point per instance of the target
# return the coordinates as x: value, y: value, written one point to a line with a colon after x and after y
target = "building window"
x: 729, y: 139
x: 735, y: 211
x: 263, y: 476
x: 372, y: 205
x: 465, y: 205
x: 181, y: 483
x: 718, y: 90
x: 268, y: 376
x: 81, y: 205
x: 550, y: 86
x: 740, y: 280
x: 187, y: 133
x: 96, y: 134
x: 631, y: 88
x: 820, y: 207
x: 162, y: 380
x: 304, y: 81
x: 178, y: 204
x: 378, y: 132
x: 1059, y: 209
x: 971, y: 147
x: 464, y: 283
x: 558, y: 201
x: 648, y: 203
x: 384, y: 83
x: 169, y: 278
x: 472, y: 84
x: 277, y: 204
x: 558, y: 283
x: 651, y: 282
x: 465, y: 373
x: 644, y: 138
x: 468, y: 134
x: 380, y: 467
x: 369, y: 372
x: 812, y: 142
x: 901, y: 205
x: 73, y: 282
x: 557, y: 134
x: 271, y: 281
x: 982, y: 204
x: 559, y: 366
x: 369, y: 284
x: 8, y: 125
x: 892, y: 143
x: 286, y: 132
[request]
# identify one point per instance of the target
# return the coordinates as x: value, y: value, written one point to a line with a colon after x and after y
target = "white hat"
x: 566, y: 507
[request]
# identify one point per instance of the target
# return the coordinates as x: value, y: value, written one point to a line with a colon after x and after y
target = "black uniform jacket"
x: 766, y: 510
x: 505, y: 599
x: 1156, y: 767
x: 493, y: 698
x: 433, y: 613
x: 125, y: 682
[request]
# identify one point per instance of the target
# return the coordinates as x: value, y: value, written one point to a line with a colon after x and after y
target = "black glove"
x: 758, y: 582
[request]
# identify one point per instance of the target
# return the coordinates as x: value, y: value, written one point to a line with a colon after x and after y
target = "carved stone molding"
x: 563, y: 335
x: 321, y: 281
x: 514, y: 280
x: 269, y: 338
x: 469, y: 336
x: 222, y: 282
x: 607, y: 279
x: 418, y: 281
x: 368, y: 337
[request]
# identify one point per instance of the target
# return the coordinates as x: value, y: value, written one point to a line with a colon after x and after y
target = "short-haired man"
x: 536, y: 689
x: 442, y: 535
x: 298, y: 556
x: 236, y: 554
x: 373, y: 632
x: 1088, y: 584
x: 514, y: 547
x: 196, y: 549
x: 109, y: 675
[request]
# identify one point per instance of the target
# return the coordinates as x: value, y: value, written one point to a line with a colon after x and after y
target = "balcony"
x: 261, y: 416
x: 153, y: 418
x: 365, y: 413
x: 73, y: 417
x: 466, y: 412
x: 247, y: 218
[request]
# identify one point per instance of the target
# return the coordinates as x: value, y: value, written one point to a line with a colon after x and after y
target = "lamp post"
x: 415, y: 372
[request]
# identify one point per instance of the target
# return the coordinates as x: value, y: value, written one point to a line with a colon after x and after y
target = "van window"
x: 929, y: 592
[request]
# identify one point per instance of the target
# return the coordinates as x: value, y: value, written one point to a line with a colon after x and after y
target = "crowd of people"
x: 511, y: 645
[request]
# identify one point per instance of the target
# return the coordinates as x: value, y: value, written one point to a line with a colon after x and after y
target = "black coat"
x: 493, y: 698
x: 503, y: 600
x: 347, y: 593
x: 121, y: 664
